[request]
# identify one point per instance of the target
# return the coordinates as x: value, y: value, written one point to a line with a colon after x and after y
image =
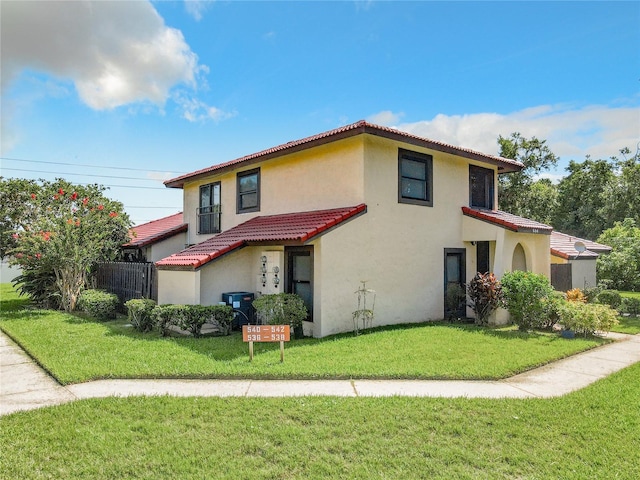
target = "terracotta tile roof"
x: 564, y: 246
x: 272, y: 229
x: 156, y: 230
x: 504, y: 164
x: 508, y: 220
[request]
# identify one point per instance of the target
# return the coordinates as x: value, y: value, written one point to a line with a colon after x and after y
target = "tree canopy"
x: 57, y: 231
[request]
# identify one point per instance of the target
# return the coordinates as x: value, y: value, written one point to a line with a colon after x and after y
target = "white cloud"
x: 115, y: 53
x: 195, y: 110
x: 196, y: 8
x: 386, y: 118
x: 571, y: 132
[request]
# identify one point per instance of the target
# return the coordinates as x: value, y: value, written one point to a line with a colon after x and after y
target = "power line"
x: 89, y: 165
x: 81, y: 174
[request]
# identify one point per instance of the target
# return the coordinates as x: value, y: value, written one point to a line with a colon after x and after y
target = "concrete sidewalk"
x: 25, y: 386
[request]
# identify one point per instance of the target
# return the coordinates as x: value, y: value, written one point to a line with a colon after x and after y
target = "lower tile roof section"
x: 156, y: 230
x: 296, y: 228
x: 564, y: 246
x: 508, y: 220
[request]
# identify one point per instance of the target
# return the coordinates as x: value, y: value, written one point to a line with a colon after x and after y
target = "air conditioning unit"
x: 270, y: 272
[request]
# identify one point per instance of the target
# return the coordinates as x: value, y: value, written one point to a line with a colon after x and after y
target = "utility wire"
x: 81, y: 174
x: 89, y: 165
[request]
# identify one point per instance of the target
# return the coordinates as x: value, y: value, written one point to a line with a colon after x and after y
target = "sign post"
x: 266, y: 333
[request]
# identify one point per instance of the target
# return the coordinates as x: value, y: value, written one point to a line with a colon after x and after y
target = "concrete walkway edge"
x: 25, y: 386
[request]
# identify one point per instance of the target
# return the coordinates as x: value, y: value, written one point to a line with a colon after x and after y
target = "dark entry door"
x: 300, y: 275
x: 454, y: 282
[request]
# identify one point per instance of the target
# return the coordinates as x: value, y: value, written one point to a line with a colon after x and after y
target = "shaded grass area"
x: 630, y: 325
x: 592, y: 433
x: 74, y: 349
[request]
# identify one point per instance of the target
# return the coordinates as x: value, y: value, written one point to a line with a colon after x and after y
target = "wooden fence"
x: 561, y: 276
x: 128, y: 280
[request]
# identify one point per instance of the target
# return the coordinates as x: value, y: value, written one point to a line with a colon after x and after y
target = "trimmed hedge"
x: 192, y: 317
x: 139, y: 313
x: 99, y: 304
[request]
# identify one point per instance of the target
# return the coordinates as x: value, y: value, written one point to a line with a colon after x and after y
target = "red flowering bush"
x: 63, y: 230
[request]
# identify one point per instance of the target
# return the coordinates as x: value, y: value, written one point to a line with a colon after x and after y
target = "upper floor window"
x: 415, y: 178
x: 209, y: 209
x: 481, y: 190
x: 248, y: 188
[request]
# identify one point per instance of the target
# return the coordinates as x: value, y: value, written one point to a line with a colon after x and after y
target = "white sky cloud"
x: 115, y: 53
x: 571, y: 132
x: 196, y: 8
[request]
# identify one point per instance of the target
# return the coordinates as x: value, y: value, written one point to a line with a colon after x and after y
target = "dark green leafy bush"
x: 281, y: 309
x: 166, y: 315
x: 39, y: 284
x: 192, y: 317
x: 485, y: 293
x: 630, y: 306
x: 610, y: 297
x: 139, y: 313
x: 526, y: 296
x: 99, y: 304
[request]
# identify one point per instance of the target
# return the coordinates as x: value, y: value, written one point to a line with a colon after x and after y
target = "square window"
x: 415, y: 178
x: 248, y: 186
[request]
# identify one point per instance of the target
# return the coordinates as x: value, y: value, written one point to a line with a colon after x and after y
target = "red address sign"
x: 265, y: 333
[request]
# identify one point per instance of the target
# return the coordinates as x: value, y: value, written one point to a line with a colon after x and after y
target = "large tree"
x: 582, y: 199
x: 622, y: 195
x: 61, y: 230
x: 621, y: 267
x: 519, y: 192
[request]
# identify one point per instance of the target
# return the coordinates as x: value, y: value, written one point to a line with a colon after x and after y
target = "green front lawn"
x: 630, y: 294
x: 75, y: 350
x: 593, y: 433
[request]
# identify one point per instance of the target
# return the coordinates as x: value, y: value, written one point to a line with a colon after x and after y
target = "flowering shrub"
x: 62, y: 230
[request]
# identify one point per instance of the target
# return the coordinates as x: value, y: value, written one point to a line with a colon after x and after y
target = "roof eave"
x: 504, y: 165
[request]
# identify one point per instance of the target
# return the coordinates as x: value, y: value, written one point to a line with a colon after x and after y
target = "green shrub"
x: 39, y: 284
x: 552, y: 305
x: 281, y: 309
x: 610, y: 297
x: 587, y: 318
x: 192, y: 317
x: 526, y: 296
x: 591, y: 293
x: 99, y: 304
x: 166, y: 315
x: 485, y: 294
x: 222, y: 316
x: 630, y: 306
x: 139, y: 313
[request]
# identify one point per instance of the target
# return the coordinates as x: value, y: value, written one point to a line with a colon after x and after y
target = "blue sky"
x: 151, y: 90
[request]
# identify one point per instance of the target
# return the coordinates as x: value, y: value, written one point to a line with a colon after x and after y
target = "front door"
x: 300, y: 275
x: 454, y: 283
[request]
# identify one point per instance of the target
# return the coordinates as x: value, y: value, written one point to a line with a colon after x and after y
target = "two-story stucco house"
x: 316, y: 216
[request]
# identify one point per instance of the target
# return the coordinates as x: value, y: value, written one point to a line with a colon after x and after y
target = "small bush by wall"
x: 281, y: 309
x: 98, y: 304
x: 610, y: 297
x: 525, y: 297
x: 192, y: 317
